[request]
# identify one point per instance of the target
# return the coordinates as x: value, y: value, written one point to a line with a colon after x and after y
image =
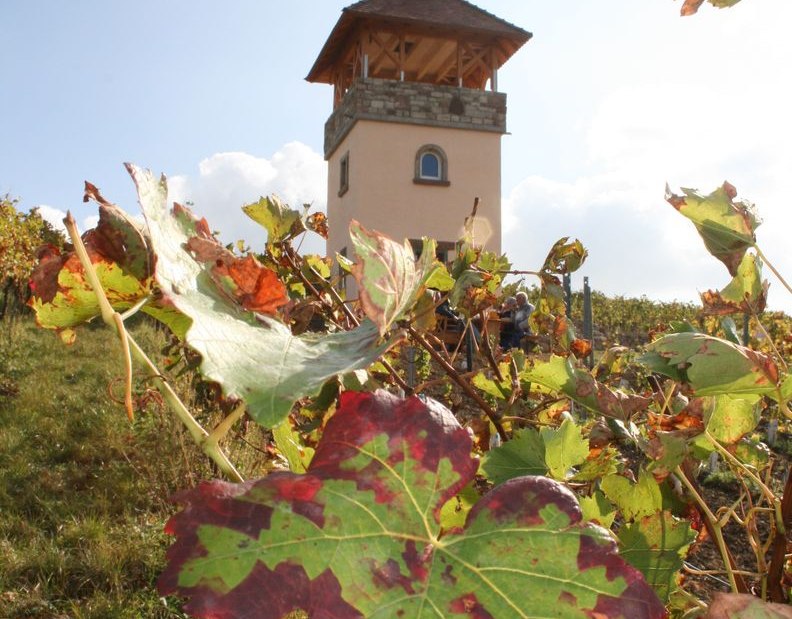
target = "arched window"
x: 431, y: 166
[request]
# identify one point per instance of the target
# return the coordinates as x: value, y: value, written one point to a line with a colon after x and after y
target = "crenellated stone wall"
x: 417, y: 104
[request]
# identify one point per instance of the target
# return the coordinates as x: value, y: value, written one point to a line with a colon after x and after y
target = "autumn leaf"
x: 243, y: 280
x: 389, y: 278
x: 727, y: 227
x: 565, y: 256
x: 120, y: 253
x: 359, y: 535
x: 560, y: 375
x: 746, y: 293
x: 690, y: 7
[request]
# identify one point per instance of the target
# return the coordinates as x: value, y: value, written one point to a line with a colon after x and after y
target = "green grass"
x: 83, y: 493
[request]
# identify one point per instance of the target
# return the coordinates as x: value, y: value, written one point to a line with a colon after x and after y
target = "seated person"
x: 521, y: 316
x: 507, y: 327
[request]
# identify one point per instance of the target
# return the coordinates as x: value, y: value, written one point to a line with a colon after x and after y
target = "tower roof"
x: 440, y: 17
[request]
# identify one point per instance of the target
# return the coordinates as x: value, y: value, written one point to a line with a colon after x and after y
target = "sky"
x: 607, y: 103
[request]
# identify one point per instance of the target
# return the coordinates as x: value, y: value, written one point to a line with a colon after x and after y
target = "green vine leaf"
x: 359, y: 534
x: 729, y: 418
x: 289, y: 443
x: 389, y: 278
x: 599, y: 509
x: 277, y: 218
x: 565, y: 448
x: 711, y: 365
x: 727, y: 227
x: 524, y: 454
x: 253, y: 356
x: 560, y: 375
x: 553, y: 451
x: 635, y: 500
x: 657, y: 545
x: 746, y: 293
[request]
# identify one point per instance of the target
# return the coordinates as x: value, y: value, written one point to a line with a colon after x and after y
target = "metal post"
x: 365, y: 66
x: 568, y: 294
x: 588, y: 320
x: 411, y: 366
x: 746, y: 339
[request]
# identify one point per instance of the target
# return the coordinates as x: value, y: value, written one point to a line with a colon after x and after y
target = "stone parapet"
x: 417, y: 104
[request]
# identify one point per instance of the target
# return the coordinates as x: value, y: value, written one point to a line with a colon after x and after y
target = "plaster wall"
x: 382, y: 194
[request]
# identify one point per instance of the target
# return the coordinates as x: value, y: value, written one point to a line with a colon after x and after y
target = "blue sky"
x: 608, y: 102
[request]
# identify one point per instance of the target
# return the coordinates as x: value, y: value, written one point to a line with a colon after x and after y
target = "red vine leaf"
x: 245, y: 280
x: 359, y: 534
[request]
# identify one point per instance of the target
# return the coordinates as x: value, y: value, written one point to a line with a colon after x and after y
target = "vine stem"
x: 772, y: 268
x: 771, y: 498
x: 715, y: 530
x: 197, y: 432
x: 465, y: 385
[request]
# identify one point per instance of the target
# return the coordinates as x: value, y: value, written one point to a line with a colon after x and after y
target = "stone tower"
x: 414, y: 136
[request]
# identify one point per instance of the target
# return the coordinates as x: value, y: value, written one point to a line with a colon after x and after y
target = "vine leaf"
x: 598, y: 509
x: 731, y: 417
x: 359, y: 534
x: 690, y: 7
x: 565, y: 256
x: 389, y: 278
x: 727, y: 227
x: 635, y: 500
x: 119, y: 250
x: 565, y: 448
x: 711, y: 365
x: 559, y: 374
x: 523, y: 455
x: 277, y: 218
x: 746, y: 293
x: 552, y: 450
x: 253, y: 356
x: 745, y: 606
x: 657, y: 545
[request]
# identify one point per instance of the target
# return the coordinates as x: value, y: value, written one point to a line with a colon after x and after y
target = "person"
x: 521, y: 315
x: 507, y: 327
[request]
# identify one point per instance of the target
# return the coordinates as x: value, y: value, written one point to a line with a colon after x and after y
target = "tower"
x: 414, y: 136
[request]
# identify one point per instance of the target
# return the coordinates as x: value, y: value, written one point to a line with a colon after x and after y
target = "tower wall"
x: 382, y: 191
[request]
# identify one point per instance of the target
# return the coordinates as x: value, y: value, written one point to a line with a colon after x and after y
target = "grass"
x: 83, y: 493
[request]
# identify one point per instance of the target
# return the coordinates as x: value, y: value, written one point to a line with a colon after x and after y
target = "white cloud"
x: 691, y: 102
x: 227, y: 181
x: 55, y: 217
x: 638, y: 138
x: 52, y: 215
